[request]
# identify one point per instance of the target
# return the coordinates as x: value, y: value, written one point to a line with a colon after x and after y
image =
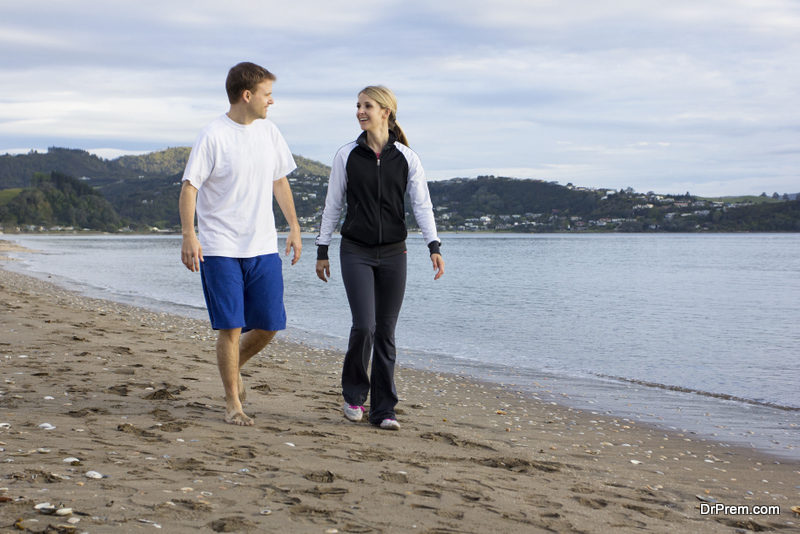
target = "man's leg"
x: 250, y: 344
x: 228, y: 364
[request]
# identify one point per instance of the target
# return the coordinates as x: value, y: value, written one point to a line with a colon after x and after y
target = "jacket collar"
x: 362, y: 142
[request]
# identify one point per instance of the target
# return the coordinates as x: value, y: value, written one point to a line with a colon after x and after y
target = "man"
x: 237, y: 164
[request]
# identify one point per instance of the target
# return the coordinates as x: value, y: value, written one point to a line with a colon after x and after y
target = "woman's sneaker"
x: 353, y: 413
x: 390, y: 424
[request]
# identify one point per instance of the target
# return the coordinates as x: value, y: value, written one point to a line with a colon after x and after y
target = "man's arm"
x: 283, y: 194
x: 191, y: 251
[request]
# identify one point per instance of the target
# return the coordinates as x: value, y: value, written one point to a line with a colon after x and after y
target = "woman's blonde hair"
x: 385, y: 98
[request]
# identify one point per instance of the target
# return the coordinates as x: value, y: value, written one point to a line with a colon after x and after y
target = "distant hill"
x: 165, y: 162
x: 141, y: 192
x: 59, y: 200
x: 142, y: 189
x: 18, y: 170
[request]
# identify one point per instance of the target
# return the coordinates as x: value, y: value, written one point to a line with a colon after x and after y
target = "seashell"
x: 47, y: 426
x: 71, y: 460
x: 45, y: 508
x: 796, y: 509
x: 64, y: 511
x: 94, y: 474
x: 710, y: 500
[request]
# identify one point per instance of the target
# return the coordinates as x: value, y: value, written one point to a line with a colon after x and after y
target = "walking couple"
x: 238, y: 163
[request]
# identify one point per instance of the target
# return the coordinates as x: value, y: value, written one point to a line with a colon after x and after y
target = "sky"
x: 664, y: 96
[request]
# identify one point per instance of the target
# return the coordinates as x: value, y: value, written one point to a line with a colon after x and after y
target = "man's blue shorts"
x: 244, y: 293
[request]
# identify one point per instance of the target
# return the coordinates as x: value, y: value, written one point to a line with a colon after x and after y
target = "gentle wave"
x: 681, y: 389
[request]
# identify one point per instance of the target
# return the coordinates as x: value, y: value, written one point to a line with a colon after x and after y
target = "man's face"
x: 260, y: 99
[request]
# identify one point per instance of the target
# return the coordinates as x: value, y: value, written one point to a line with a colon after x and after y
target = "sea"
x: 698, y: 333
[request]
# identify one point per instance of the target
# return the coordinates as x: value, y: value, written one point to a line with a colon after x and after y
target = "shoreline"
x: 135, y: 396
x: 716, y: 416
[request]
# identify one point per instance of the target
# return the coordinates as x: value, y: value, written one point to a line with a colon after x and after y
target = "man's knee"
x: 229, y: 335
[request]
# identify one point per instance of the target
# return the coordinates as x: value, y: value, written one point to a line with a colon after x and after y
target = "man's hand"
x: 294, y: 241
x: 191, y: 253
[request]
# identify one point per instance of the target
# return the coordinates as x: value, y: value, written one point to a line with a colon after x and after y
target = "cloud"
x: 642, y: 94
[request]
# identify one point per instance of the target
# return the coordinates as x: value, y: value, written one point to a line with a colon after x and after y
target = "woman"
x: 372, y: 176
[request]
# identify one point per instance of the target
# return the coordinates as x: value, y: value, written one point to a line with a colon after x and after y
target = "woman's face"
x: 370, y: 115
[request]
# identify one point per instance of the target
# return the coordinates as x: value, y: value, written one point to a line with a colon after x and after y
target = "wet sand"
x: 93, y: 388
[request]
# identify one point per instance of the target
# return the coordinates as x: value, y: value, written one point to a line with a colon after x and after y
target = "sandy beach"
x: 114, y: 416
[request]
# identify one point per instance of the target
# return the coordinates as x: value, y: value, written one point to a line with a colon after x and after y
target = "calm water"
x: 695, y: 332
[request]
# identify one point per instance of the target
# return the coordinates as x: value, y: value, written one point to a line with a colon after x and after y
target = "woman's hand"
x: 323, y: 270
x: 438, y: 265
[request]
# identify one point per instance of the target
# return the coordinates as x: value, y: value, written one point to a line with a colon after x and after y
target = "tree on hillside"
x: 60, y: 200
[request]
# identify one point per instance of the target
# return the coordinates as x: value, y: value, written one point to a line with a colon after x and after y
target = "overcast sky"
x: 666, y: 96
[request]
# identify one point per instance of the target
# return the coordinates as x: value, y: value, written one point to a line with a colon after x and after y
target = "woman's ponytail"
x: 398, y: 131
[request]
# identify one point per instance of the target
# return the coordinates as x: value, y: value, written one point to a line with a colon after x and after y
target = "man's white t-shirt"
x: 233, y: 167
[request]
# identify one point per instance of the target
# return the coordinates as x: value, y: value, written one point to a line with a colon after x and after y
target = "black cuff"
x: 433, y: 246
x: 322, y: 252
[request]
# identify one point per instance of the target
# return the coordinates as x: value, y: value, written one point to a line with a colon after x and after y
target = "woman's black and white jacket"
x: 374, y: 191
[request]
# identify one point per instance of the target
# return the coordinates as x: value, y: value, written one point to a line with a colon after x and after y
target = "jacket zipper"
x: 380, y: 218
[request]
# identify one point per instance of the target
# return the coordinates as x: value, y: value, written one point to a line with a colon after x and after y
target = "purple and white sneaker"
x: 390, y: 424
x: 353, y: 413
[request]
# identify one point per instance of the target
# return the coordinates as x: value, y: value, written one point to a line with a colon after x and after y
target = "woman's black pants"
x: 375, y: 286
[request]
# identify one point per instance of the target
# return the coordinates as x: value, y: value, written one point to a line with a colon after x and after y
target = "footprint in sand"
x: 232, y: 524
x: 161, y: 415
x: 121, y: 389
x: 172, y: 426
x: 83, y: 412
x: 595, y: 504
x: 520, y: 465
x: 322, y: 492
x: 320, y: 476
x: 454, y: 440
x: 168, y: 392
x: 262, y: 388
x: 399, y: 478
x: 656, y: 513
x: 242, y: 453
x: 186, y: 464
x: 128, y: 428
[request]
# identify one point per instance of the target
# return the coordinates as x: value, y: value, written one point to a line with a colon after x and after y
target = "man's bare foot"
x: 238, y: 418
x: 242, y: 390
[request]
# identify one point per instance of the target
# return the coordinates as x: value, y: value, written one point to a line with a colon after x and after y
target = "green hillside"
x: 72, y: 188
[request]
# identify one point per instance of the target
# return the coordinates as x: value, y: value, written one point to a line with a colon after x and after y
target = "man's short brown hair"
x: 245, y: 77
